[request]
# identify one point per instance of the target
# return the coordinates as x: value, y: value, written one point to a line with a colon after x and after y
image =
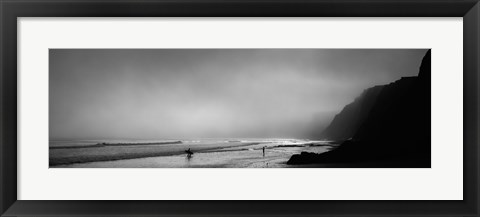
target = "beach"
x: 208, y: 153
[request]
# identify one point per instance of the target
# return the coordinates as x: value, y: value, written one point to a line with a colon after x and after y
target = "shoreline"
x: 58, y: 161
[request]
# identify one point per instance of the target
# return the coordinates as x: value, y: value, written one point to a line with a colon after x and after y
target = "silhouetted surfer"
x: 263, y: 151
x: 189, y: 153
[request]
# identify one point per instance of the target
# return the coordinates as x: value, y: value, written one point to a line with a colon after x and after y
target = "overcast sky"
x: 211, y: 93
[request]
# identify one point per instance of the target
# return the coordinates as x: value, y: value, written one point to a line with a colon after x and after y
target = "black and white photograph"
x: 239, y: 108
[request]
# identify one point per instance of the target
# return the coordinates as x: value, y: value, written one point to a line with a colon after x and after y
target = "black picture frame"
x: 10, y: 10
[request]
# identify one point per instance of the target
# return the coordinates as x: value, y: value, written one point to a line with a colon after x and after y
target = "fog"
x: 210, y: 93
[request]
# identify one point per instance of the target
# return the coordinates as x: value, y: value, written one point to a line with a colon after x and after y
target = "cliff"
x: 345, y: 124
x: 394, y: 125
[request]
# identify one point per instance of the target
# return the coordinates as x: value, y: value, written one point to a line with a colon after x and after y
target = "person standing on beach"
x: 263, y: 151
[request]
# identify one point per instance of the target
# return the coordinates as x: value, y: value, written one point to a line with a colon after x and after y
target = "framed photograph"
x: 251, y: 108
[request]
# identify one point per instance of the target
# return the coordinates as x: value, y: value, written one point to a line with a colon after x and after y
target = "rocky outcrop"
x: 396, y: 127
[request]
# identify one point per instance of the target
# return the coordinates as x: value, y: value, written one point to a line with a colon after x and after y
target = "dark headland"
x: 386, y: 126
